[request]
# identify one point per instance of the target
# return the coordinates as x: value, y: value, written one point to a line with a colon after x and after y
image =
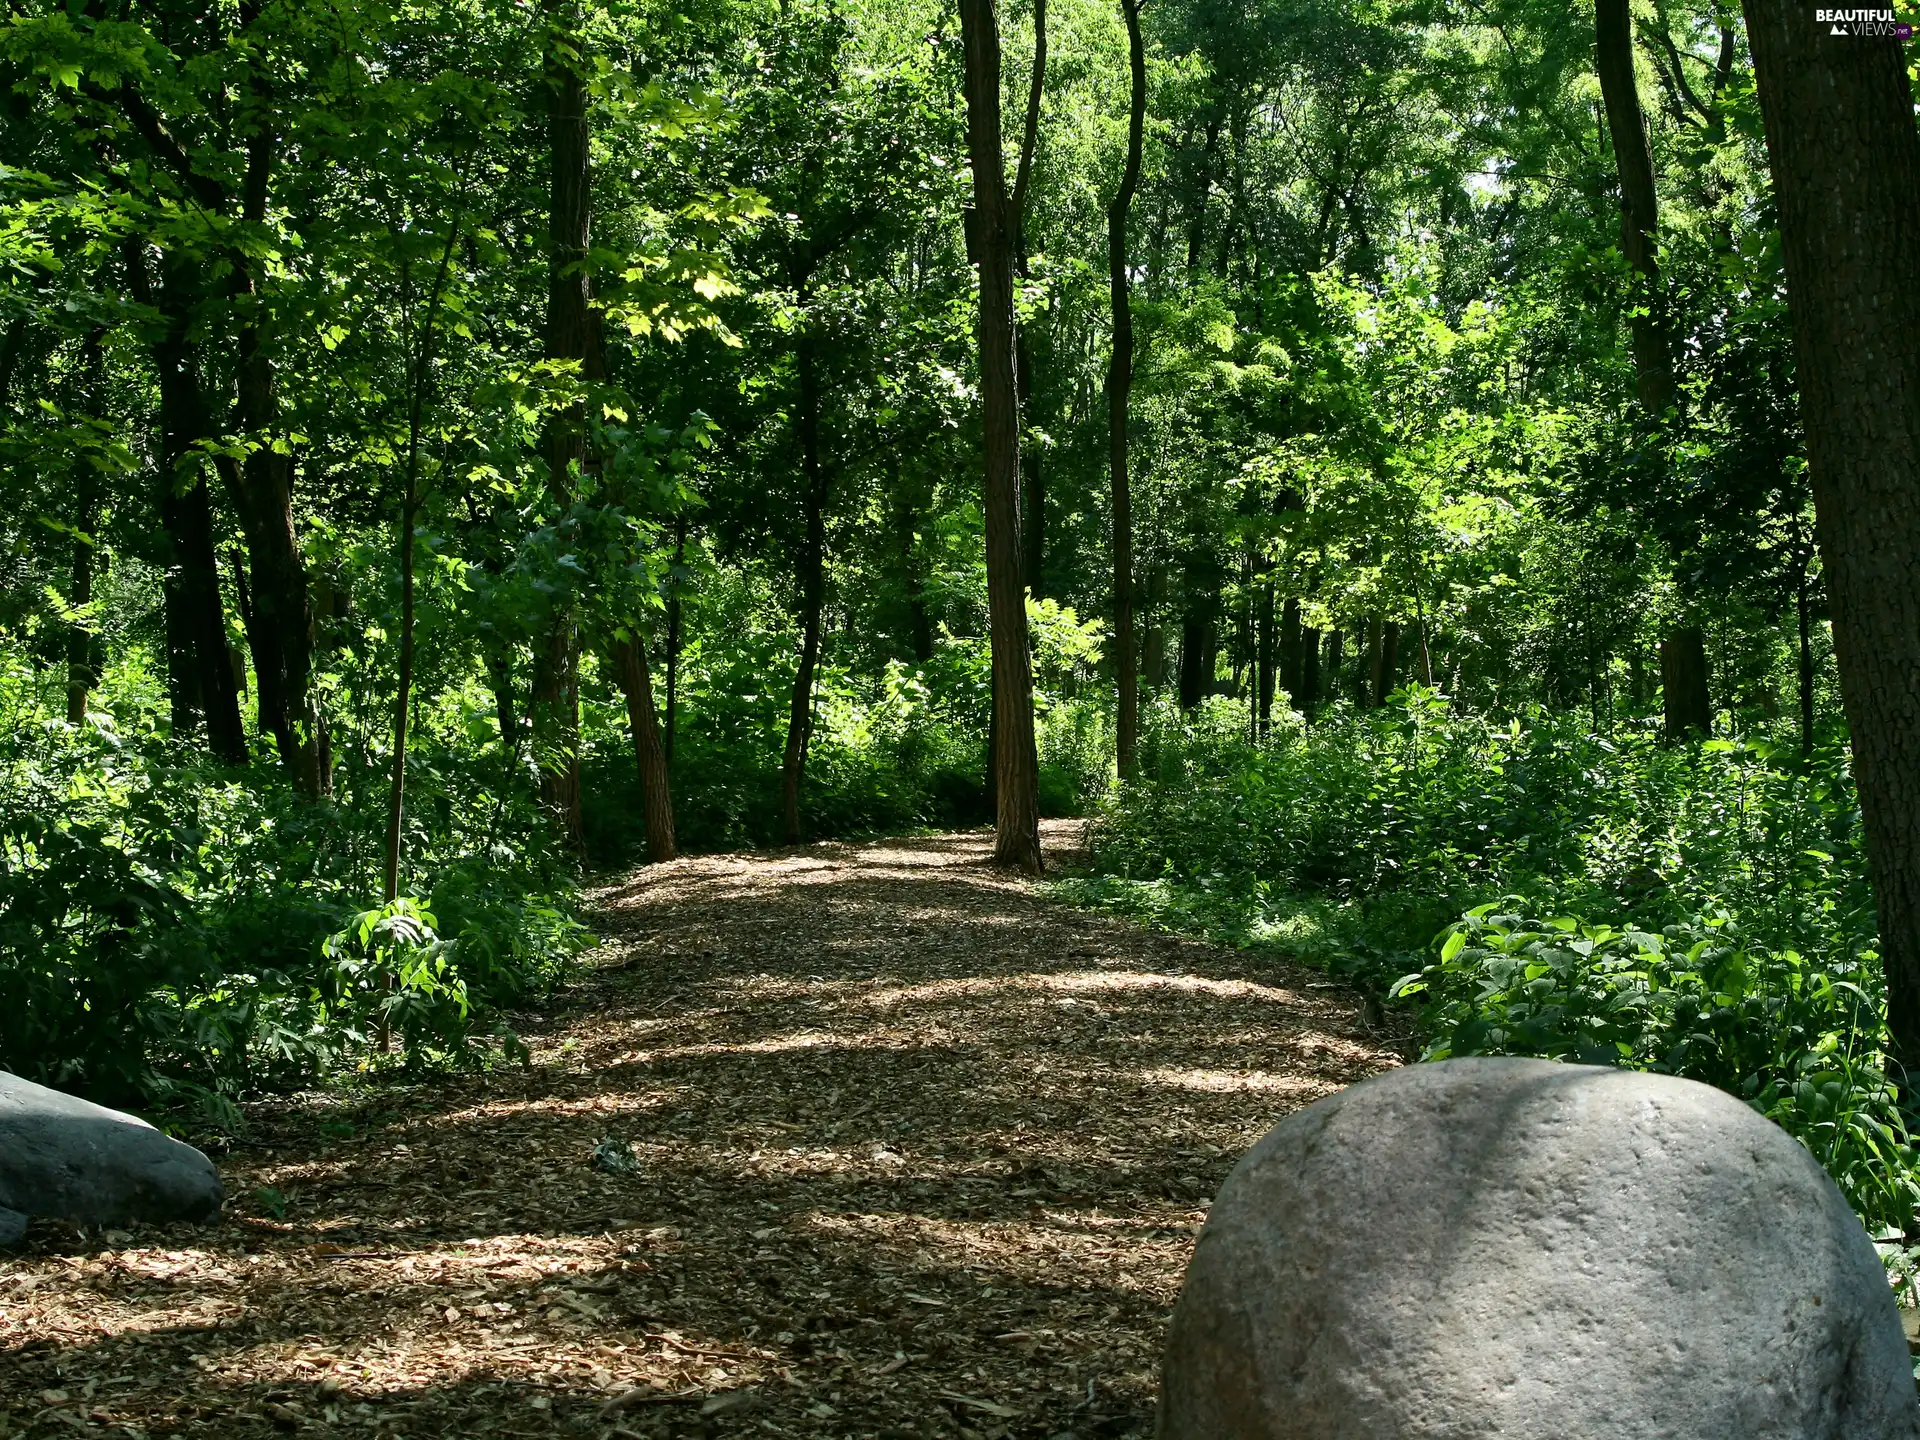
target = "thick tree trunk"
x: 812, y: 569
x: 1367, y: 682
x: 650, y: 756
x: 1846, y: 177
x: 1336, y: 657
x: 200, y: 680
x: 1119, y: 388
x: 1683, y: 682
x: 570, y: 335
x: 1016, y: 773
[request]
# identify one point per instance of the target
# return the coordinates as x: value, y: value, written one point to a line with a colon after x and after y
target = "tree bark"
x: 1802, y: 606
x: 1688, y: 709
x: 1309, y: 696
x: 1264, y: 659
x: 812, y: 569
x: 280, y: 627
x: 1119, y: 388
x: 420, y: 380
x: 1639, y: 202
x: 673, y: 634
x: 1016, y: 773
x: 1033, y: 518
x: 82, y: 644
x: 569, y: 336
x: 200, y: 667
x: 1387, y: 663
x: 1846, y: 176
x: 1199, y: 626
x: 1290, y: 651
x: 1639, y: 243
x: 1336, y: 654
x: 656, y: 795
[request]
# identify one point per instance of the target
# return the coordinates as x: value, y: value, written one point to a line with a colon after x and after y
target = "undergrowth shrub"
x: 169, y: 930
x: 1727, y: 933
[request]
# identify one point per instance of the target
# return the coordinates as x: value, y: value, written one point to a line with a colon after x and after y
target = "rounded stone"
x: 67, y: 1157
x: 1534, y: 1251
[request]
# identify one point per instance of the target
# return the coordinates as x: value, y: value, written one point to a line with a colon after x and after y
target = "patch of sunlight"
x: 1085, y: 982
x: 1306, y: 923
x: 1223, y: 1082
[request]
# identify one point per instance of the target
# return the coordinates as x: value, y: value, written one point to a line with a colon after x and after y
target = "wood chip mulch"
x: 913, y: 1151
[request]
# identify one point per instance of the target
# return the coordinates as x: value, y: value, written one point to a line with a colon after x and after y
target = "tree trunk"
x: 1264, y: 657
x: 82, y: 644
x: 420, y: 380
x: 1290, y: 651
x: 200, y: 668
x: 1639, y: 242
x: 656, y: 796
x: 1639, y: 202
x: 1683, y: 682
x: 919, y: 622
x: 280, y: 627
x: 1846, y: 176
x: 1199, y: 622
x: 1016, y: 772
x: 1802, y: 605
x: 1309, y: 697
x: 1367, y: 682
x: 1032, y: 478
x: 1119, y: 387
x: 569, y: 336
x: 813, y: 588
x: 1336, y: 656
x: 1386, y: 663
x: 673, y: 633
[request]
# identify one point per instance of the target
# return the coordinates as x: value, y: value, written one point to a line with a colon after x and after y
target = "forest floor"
x: 920, y: 1152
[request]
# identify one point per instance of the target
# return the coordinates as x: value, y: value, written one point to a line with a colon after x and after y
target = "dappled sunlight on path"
x: 920, y: 1153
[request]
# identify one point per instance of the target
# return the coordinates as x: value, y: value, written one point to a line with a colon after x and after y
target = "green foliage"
x: 169, y: 932
x: 1732, y: 940
x: 1798, y: 1041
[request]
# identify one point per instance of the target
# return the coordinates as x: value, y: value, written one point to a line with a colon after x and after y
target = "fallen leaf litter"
x: 888, y: 1146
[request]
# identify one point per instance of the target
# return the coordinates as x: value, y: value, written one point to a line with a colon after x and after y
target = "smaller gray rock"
x: 68, y: 1158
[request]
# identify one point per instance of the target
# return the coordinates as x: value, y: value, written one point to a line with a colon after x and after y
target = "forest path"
x: 920, y: 1153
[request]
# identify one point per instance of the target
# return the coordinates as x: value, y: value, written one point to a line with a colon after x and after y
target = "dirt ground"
x: 915, y: 1152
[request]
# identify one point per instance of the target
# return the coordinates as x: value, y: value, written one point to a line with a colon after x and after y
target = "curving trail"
x: 921, y: 1153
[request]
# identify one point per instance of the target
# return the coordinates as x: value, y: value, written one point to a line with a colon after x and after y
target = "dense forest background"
x: 454, y: 448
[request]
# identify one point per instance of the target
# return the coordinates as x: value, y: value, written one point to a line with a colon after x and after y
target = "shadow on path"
x: 921, y: 1153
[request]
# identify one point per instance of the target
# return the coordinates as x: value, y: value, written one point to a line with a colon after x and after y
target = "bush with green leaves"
x: 1798, y: 1040
x: 170, y: 930
x: 1730, y: 933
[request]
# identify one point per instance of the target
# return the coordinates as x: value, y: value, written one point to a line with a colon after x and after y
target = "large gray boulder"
x: 79, y: 1161
x: 1533, y: 1251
